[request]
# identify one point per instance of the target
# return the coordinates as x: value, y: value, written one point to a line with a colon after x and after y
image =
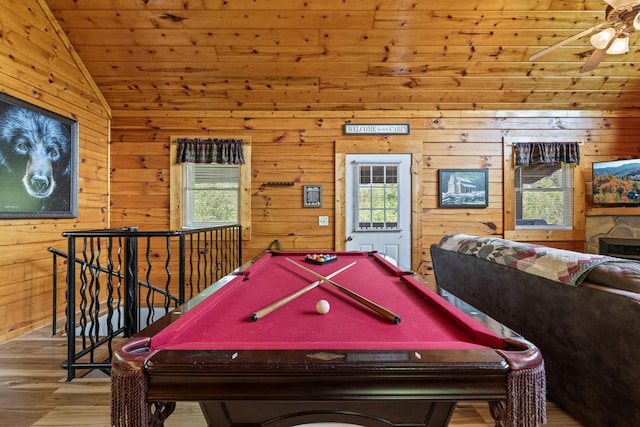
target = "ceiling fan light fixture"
x: 620, y: 46
x: 601, y: 40
x: 636, y: 21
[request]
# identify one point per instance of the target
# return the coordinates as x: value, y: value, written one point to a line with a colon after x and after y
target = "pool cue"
x: 285, y: 300
x: 359, y: 298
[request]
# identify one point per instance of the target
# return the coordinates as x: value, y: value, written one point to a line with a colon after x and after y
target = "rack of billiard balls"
x: 320, y: 259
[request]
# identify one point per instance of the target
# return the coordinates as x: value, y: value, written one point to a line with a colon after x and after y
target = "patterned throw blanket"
x: 563, y: 266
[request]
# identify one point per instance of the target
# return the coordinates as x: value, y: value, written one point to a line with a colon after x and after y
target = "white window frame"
x: 566, y: 205
x: 371, y: 186
x: 207, y: 173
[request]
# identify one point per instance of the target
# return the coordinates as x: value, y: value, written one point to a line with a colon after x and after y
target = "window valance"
x: 210, y: 150
x: 546, y: 153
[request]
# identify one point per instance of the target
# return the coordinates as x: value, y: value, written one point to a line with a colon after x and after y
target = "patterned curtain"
x: 210, y: 150
x: 546, y: 153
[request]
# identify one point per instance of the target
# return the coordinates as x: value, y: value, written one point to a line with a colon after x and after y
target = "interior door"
x: 378, y: 204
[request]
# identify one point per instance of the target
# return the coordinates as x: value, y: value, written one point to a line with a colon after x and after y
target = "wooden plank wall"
x: 299, y: 147
x: 37, y: 67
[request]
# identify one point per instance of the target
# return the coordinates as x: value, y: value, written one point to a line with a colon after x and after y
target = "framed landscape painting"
x: 464, y: 188
x: 38, y: 162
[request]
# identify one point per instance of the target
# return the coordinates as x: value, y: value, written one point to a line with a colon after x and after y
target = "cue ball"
x: 323, y: 306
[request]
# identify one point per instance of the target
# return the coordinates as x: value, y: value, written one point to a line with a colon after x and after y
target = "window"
x: 211, y: 195
x: 377, y: 195
x: 209, y: 178
x: 542, y: 202
x: 544, y: 196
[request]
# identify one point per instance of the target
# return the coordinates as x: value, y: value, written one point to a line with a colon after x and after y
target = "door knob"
x: 349, y: 239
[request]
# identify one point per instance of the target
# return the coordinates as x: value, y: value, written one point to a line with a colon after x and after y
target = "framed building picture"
x: 38, y: 162
x: 464, y: 188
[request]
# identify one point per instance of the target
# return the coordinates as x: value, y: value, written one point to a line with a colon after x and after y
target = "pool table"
x: 353, y: 365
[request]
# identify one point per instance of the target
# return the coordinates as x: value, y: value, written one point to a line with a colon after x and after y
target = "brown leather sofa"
x: 589, y: 335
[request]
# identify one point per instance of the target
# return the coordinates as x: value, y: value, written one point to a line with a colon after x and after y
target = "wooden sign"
x: 377, y: 129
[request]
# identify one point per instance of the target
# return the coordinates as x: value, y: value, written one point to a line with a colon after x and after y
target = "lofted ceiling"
x: 345, y: 54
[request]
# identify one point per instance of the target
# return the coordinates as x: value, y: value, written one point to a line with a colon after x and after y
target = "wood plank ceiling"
x: 345, y: 54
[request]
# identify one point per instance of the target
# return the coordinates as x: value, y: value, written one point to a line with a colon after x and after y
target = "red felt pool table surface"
x: 223, y: 321
x: 295, y: 365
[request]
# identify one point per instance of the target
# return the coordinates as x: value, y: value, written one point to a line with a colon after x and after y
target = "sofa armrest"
x: 619, y: 275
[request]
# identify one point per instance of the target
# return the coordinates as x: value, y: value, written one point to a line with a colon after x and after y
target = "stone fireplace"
x: 610, y: 226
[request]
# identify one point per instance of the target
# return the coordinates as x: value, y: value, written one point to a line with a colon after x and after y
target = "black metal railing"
x: 122, y: 280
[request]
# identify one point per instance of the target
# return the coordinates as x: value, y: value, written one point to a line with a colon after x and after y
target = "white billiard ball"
x: 323, y: 306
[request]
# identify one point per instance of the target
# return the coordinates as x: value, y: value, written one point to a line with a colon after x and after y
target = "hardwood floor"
x: 34, y: 392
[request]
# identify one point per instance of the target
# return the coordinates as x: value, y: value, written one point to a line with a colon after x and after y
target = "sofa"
x: 585, y: 319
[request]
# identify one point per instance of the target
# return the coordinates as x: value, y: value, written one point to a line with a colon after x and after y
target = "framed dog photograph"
x: 464, y: 188
x: 38, y: 162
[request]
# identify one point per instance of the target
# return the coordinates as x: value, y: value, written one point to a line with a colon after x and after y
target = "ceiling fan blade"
x: 599, y: 54
x: 594, y: 60
x: 567, y: 41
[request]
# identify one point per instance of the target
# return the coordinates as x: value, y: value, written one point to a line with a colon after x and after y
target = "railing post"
x: 71, y: 308
x: 239, y: 245
x: 131, y: 294
x: 181, y: 269
x: 54, y: 301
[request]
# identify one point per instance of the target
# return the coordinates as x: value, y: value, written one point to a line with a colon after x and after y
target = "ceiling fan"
x: 622, y: 19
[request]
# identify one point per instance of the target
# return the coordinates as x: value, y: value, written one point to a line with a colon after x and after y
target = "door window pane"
x: 377, y: 195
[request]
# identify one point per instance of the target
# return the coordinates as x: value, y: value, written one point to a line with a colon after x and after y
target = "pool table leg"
x: 159, y: 412
x: 497, y: 410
